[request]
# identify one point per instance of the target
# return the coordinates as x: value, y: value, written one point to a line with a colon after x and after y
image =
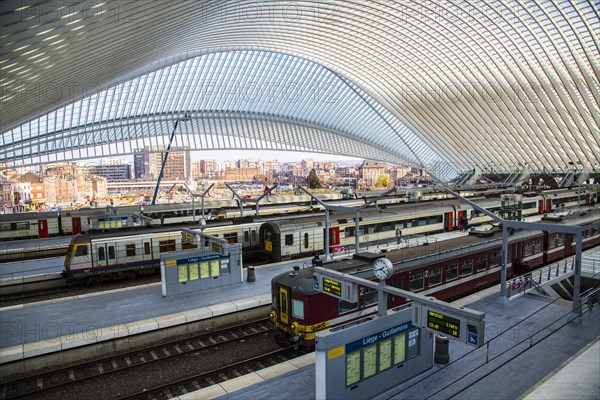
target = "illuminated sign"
x: 332, y: 287
x: 443, y: 323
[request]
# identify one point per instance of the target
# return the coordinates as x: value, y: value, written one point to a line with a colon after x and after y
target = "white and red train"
x: 450, y: 269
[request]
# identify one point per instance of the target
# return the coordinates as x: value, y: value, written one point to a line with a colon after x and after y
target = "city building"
x: 370, y: 171
x: 147, y: 163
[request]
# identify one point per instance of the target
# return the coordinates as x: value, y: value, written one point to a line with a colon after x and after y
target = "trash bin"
x: 251, y: 276
x: 441, y: 355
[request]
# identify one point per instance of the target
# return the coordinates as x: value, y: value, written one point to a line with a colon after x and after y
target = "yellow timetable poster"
x: 214, y: 267
x: 183, y: 272
x: 399, y: 348
x: 204, y: 270
x: 385, y: 354
x: 352, y: 368
x: 370, y: 361
x: 194, y: 271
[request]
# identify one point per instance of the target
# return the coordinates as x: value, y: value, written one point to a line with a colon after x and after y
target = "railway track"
x: 65, y: 383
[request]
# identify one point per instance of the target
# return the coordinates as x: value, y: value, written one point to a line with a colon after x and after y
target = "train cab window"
x: 81, y: 251
x: 416, y: 282
x: 298, y: 308
x: 306, y: 240
x: 166, y: 245
x: 130, y: 250
x: 253, y: 236
x: 435, y: 277
x: 289, y: 240
x: 147, y: 248
x: 101, y: 254
x: 481, y: 263
x: 346, y: 306
x: 466, y: 268
x: 451, y: 272
x: 111, y: 252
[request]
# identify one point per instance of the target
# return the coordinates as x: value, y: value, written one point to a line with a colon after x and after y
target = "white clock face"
x: 383, y: 268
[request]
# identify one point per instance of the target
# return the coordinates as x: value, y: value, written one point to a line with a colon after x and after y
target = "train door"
x: 462, y: 216
x: 100, y: 255
x: 284, y: 305
x: 334, y: 238
x: 449, y: 221
x: 76, y: 224
x: 548, y: 205
x: 541, y: 206
x: 42, y: 228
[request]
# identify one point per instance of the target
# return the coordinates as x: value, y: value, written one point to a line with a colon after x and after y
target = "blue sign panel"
x: 376, y: 337
x: 199, y: 259
x: 473, y: 338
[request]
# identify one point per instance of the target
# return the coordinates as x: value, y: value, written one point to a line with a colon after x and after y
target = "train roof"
x: 28, y: 216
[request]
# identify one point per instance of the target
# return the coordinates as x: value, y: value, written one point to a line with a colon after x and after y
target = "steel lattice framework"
x: 445, y: 85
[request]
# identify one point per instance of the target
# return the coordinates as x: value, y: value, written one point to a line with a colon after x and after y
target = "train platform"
x: 534, y: 353
x: 42, y: 328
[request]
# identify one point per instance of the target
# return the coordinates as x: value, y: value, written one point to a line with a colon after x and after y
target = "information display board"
x: 347, y: 291
x: 332, y: 287
x: 443, y: 323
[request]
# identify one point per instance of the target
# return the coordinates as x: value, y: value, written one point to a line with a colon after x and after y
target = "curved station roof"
x: 447, y: 86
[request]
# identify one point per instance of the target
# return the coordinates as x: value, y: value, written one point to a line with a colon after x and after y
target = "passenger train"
x: 459, y: 267
x: 288, y: 239
x: 95, y: 255
x: 71, y: 222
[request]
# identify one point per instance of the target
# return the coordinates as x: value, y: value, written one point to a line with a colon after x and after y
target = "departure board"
x: 385, y: 355
x: 352, y: 368
x: 443, y: 323
x: 332, y: 287
x: 370, y: 361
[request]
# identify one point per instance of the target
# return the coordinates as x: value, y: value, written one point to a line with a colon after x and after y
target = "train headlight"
x: 295, y: 328
x: 273, y: 316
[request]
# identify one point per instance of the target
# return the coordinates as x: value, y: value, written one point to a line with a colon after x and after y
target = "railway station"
x: 482, y: 282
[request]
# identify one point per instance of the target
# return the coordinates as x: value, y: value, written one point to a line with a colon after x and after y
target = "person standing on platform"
x: 398, y: 235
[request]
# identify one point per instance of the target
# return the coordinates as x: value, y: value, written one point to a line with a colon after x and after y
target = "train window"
x: 435, y: 277
x: 253, y: 235
x: 528, y: 249
x: 101, y: 254
x: 246, y: 237
x: 416, y: 282
x: 538, y: 245
x: 422, y: 221
x: 166, y: 245
x: 560, y: 239
x: 349, y: 231
x: 5, y: 227
x: 289, y: 240
x: 451, y: 272
x: 494, y: 259
x: 306, y: 240
x: 130, y: 250
x: 481, y: 263
x: 22, y: 226
x: 370, y: 296
x: 147, y: 248
x: 386, y: 226
x: 467, y: 267
x: 81, y: 251
x: 111, y: 252
x: 346, y: 306
x: 231, y: 238
x: 298, y: 308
